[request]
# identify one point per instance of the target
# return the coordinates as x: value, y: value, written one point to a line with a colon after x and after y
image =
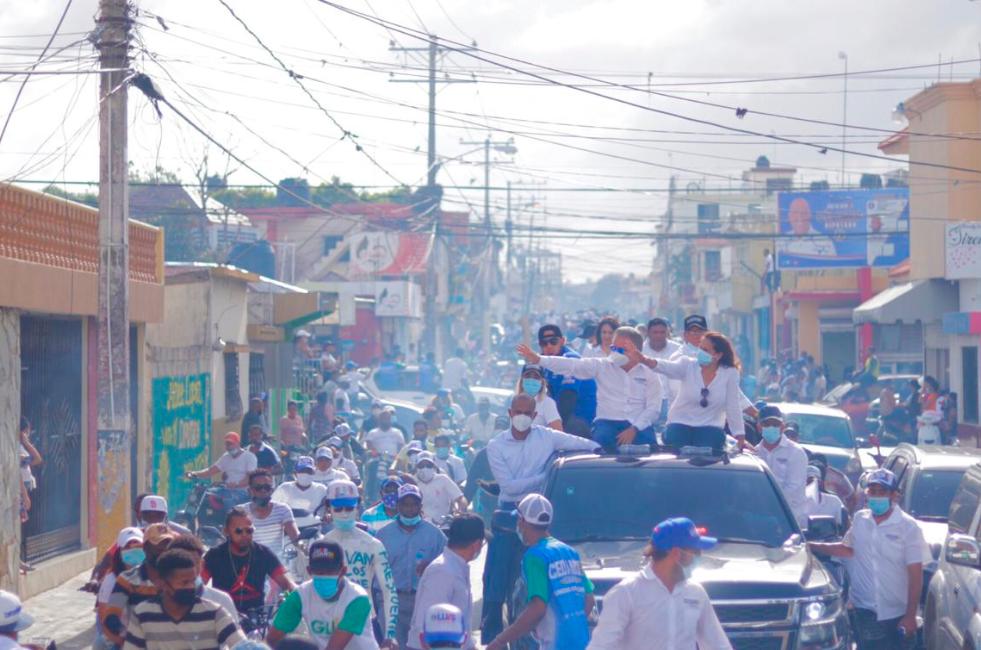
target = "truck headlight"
x: 823, y: 624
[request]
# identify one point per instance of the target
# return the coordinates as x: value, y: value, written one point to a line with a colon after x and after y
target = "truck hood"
x: 728, y: 571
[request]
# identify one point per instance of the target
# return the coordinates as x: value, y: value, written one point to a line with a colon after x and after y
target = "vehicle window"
x: 965, y: 503
x: 823, y: 430
x: 932, y: 492
x: 617, y: 502
x: 899, y: 467
x: 835, y: 395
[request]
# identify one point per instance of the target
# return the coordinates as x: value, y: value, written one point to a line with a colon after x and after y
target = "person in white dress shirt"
x: 532, y: 382
x: 658, y: 345
x: 786, y: 459
x: 602, y: 339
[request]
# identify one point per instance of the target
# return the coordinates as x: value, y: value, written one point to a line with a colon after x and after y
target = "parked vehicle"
x: 828, y: 432
x: 856, y: 400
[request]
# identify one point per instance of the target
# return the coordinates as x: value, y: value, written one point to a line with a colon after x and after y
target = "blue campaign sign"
x: 843, y: 228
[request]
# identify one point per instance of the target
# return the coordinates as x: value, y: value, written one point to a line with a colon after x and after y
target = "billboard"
x: 388, y: 253
x: 962, y: 251
x: 843, y: 228
x: 181, y: 433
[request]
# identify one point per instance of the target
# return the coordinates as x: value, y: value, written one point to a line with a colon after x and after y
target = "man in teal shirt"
x: 559, y: 595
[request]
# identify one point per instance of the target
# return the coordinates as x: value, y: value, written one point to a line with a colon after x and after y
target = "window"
x: 257, y: 373
x: 779, y: 185
x: 969, y: 375
x: 713, y: 266
x: 331, y: 242
x: 965, y: 503
x: 708, y: 218
x: 233, y: 396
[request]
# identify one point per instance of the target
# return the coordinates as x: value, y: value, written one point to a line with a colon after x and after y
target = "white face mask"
x: 521, y: 422
x: 619, y: 359
x: 304, y: 480
x: 426, y: 474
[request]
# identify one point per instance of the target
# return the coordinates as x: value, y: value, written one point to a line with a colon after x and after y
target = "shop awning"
x: 923, y: 300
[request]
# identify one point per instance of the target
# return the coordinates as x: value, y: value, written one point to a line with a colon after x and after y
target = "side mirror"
x: 962, y: 550
x: 821, y: 528
x: 862, y: 443
x: 309, y: 533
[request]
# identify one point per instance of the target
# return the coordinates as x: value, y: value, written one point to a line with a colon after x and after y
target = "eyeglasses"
x: 263, y: 487
x: 704, y: 402
x: 342, y: 508
x: 549, y: 340
x: 244, y: 531
x: 615, y: 348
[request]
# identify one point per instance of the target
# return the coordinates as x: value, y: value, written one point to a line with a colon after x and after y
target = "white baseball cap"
x: 153, y: 503
x: 535, y: 509
x: 444, y: 624
x: 324, y: 452
x: 343, y: 493
x: 13, y: 618
x: 127, y: 535
x: 425, y: 456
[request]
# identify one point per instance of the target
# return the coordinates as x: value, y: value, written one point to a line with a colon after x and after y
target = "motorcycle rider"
x: 365, y: 557
x: 325, y: 472
x: 448, y: 410
x: 447, y: 461
x: 385, y: 511
x: 266, y: 456
x: 440, y: 494
x: 234, y: 465
x: 302, y: 492
x: 385, y: 439
x: 343, y: 447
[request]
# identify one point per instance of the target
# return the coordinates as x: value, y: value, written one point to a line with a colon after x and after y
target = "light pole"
x: 844, y: 114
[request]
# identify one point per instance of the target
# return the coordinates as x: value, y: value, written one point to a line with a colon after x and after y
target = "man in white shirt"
x: 519, y: 458
x: 455, y: 372
x: 234, y: 466
x: 324, y: 472
x: 660, y: 608
x: 659, y: 346
x: 303, y: 492
x: 887, y: 552
x: 447, y: 578
x: 786, y: 459
x: 385, y: 439
x: 820, y: 502
x: 448, y: 462
x: 479, y: 426
x: 440, y: 494
x: 628, y: 394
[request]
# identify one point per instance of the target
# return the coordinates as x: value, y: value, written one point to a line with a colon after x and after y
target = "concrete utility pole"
x: 113, y: 28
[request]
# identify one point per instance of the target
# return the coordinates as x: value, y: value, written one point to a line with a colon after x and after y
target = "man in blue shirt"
x: 576, y: 398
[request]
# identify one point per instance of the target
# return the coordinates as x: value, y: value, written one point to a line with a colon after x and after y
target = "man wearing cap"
x: 255, y: 415
x: 440, y: 494
x: 385, y: 439
x: 785, y: 458
x: 335, y: 609
x: 479, y: 427
x: 576, y: 398
x: 820, y: 502
x: 302, y: 492
x: 127, y: 552
x: 365, y: 557
x: 519, y: 459
x: 559, y: 595
x: 444, y: 627
x: 412, y: 543
x: 447, y: 579
x: 234, y: 466
x: 659, y: 608
x: 343, y: 447
x: 324, y: 470
x: 379, y: 515
x: 887, y: 551
x: 695, y: 328
x: 291, y: 428
x: 13, y: 620
x: 447, y: 461
x: 272, y: 519
x: 629, y: 394
x: 265, y: 456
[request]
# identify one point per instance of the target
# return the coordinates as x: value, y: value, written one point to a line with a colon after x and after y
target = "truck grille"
x: 750, y: 613
x: 758, y: 643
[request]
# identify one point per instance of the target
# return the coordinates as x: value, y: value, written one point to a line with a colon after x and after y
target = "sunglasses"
x: 704, y: 402
x: 244, y: 531
x: 615, y: 348
x: 549, y: 340
x: 342, y: 508
x: 264, y: 487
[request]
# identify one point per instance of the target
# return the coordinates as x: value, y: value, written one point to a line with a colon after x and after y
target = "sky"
x: 618, y: 150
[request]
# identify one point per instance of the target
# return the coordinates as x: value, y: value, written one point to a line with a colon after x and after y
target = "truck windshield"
x: 625, y: 502
x: 932, y: 493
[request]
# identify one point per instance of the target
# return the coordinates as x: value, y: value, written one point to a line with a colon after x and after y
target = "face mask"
x: 345, y: 521
x: 619, y: 359
x: 531, y: 386
x: 411, y: 522
x: 390, y: 500
x: 262, y: 502
x: 185, y: 597
x: 771, y: 434
x: 442, y: 453
x: 426, y: 474
x: 326, y: 586
x: 703, y: 358
x: 879, y: 505
x: 521, y: 422
x: 234, y: 451
x: 304, y: 480
x: 133, y: 556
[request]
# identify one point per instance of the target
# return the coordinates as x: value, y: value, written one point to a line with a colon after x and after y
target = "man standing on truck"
x: 786, y: 459
x: 887, y: 550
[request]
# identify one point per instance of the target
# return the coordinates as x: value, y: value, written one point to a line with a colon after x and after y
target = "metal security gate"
x: 51, y: 398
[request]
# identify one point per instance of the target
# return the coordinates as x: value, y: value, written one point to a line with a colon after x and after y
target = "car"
x: 406, y: 414
x: 856, y: 400
x: 401, y: 385
x: 952, y: 615
x: 767, y: 588
x: 828, y: 432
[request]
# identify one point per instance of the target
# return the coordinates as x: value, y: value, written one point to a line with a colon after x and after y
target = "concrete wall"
x: 9, y: 442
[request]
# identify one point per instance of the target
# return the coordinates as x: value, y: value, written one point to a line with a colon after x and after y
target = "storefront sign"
x: 962, y: 250
x: 181, y: 433
x: 398, y: 299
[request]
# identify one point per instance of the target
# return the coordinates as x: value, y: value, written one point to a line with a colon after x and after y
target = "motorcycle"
x: 255, y: 622
x: 204, y: 507
x: 290, y: 455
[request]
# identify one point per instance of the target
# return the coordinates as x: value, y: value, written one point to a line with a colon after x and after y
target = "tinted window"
x: 932, y: 493
x: 623, y: 502
x: 823, y: 430
x: 965, y: 503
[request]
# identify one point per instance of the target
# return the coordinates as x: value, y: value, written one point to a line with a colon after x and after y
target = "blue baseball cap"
x: 882, y: 477
x: 770, y: 413
x: 391, y: 480
x: 304, y: 464
x: 444, y: 624
x: 680, y: 532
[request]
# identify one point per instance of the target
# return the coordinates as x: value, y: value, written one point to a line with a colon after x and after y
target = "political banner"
x: 181, y: 434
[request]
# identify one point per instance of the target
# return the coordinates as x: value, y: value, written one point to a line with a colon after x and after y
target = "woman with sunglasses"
x: 708, y: 396
x: 239, y: 566
x: 603, y: 338
x: 532, y: 382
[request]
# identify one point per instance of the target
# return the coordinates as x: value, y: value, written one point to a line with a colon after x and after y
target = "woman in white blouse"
x: 708, y: 396
x: 603, y: 338
x: 532, y: 382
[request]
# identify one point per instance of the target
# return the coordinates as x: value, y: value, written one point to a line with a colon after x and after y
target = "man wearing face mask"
x: 628, y: 394
x: 576, y: 398
x: 179, y: 615
x: 659, y: 608
x: 479, y: 426
x: 365, y: 557
x: 519, y: 459
x: 336, y: 610
x: 448, y: 462
x: 821, y: 502
x: 385, y: 439
x: 272, y: 519
x: 265, y: 456
x: 193, y: 545
x: 379, y: 515
x: 302, y: 492
x: 786, y: 459
x: 234, y: 466
x: 887, y: 551
x: 345, y: 450
x: 412, y: 543
x: 324, y: 471
x: 440, y: 494
x: 559, y: 595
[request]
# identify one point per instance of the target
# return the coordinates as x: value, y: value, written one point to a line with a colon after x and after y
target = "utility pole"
x: 113, y: 28
x: 508, y: 231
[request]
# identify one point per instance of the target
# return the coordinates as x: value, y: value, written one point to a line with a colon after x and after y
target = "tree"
x: 90, y: 199
x: 870, y: 182
x: 819, y: 186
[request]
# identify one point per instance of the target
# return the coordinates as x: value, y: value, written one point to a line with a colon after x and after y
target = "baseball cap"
x: 350, y: 365
x: 388, y: 408
x: 814, y: 471
x: 680, y: 532
x: 342, y: 493
x: 13, y: 618
x: 531, y: 367
x: 304, y: 464
x: 770, y: 413
x: 444, y: 624
x: 535, y: 509
x: 443, y: 391
x: 409, y: 490
x: 546, y: 331
x: 343, y: 429
x: 657, y: 320
x: 413, y: 446
x: 389, y: 480
x: 157, y: 535
x: 334, y: 441
x: 882, y: 477
x: 326, y: 556
x: 693, y: 321
x: 153, y: 503
x: 302, y: 333
x: 324, y: 452
x: 127, y: 535
x: 425, y: 455
x: 231, y: 436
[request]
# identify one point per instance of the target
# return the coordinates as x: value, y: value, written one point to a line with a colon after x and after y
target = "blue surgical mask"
x: 879, y: 505
x: 703, y: 358
x: 345, y: 521
x: 411, y: 522
x: 771, y: 434
x: 442, y: 453
x: 390, y: 500
x: 531, y: 386
x: 132, y: 556
x: 326, y: 586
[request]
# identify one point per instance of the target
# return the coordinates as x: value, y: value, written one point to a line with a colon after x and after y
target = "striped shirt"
x: 269, y: 531
x: 207, y: 626
x: 132, y: 587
